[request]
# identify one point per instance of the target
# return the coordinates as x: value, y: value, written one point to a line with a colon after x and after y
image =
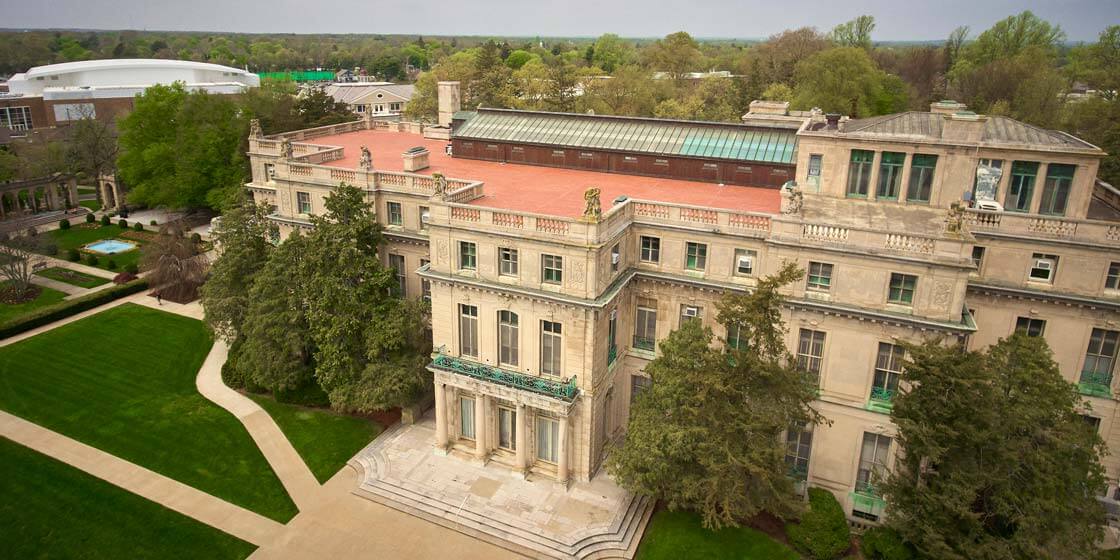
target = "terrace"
x: 521, y: 188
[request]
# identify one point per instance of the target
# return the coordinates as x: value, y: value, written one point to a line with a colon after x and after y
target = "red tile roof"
x: 545, y: 190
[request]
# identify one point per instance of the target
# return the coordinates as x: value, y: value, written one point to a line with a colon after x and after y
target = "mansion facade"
x: 557, y: 250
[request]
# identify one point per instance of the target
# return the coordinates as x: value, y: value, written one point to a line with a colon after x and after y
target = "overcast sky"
x: 897, y: 19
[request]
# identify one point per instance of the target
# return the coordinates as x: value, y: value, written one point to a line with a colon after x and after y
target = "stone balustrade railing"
x: 459, y: 190
x: 865, y: 240
x: 1050, y: 227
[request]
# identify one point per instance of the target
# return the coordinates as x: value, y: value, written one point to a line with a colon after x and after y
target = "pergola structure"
x: 42, y: 194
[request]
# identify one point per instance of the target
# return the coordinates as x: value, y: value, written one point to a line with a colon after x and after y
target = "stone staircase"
x: 618, y: 540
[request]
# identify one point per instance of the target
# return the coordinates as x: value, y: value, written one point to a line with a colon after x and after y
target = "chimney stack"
x: 947, y: 107
x: 833, y: 120
x: 964, y: 126
x: 447, y: 94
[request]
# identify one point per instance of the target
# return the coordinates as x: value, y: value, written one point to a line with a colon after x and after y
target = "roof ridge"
x: 630, y: 118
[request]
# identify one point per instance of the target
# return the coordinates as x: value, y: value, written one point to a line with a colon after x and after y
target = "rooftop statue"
x: 365, y: 163
x: 286, y: 149
x: 593, y: 211
x: 255, y: 129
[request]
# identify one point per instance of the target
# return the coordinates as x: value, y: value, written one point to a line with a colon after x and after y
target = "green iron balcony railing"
x: 564, y: 390
x: 881, y: 399
x: 1095, y: 384
x: 643, y: 343
x: 612, y: 354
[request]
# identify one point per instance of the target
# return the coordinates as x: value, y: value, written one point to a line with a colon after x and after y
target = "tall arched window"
x: 507, y: 338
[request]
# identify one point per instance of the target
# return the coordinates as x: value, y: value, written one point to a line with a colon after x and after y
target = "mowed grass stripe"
x: 123, y: 381
x: 52, y: 510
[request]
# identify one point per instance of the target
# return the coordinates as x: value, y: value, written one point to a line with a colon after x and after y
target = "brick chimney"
x: 447, y: 94
x: 963, y: 127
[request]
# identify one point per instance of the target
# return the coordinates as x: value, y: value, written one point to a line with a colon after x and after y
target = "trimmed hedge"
x: 67, y: 308
x: 105, y: 220
x: 138, y: 226
x: 90, y: 219
x: 64, y: 224
x: 884, y: 543
x: 132, y: 269
x: 73, y: 255
x: 123, y: 224
x: 822, y: 533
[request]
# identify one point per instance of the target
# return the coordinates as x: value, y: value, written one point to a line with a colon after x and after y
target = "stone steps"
x: 618, y: 540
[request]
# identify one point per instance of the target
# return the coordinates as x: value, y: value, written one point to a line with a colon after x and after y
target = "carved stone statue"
x: 366, y: 161
x: 441, y: 186
x: 954, y: 219
x: 792, y: 200
x: 286, y: 149
x: 255, y: 128
x: 593, y: 209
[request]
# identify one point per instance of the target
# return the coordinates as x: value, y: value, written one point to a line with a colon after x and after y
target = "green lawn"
x: 325, y: 439
x: 46, y: 297
x: 676, y: 535
x: 93, y: 205
x: 72, y: 277
x: 77, y: 237
x: 52, y: 510
x: 123, y: 381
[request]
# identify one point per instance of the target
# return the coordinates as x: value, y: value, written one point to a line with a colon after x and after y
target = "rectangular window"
x: 1043, y: 267
x: 799, y: 443
x: 814, y: 166
x: 810, y: 352
x: 901, y: 288
x: 507, y: 428
x: 988, y: 174
x: 638, y: 385
x: 1100, y: 357
x: 651, y: 249
x: 888, y: 370
x: 425, y: 285
x: 645, y: 327
x: 586, y: 155
x: 1019, y: 192
x: 16, y: 118
x: 890, y: 175
x: 695, y: 256
x: 394, y: 213
x: 1112, y: 279
x: 396, y: 262
x: 1055, y: 192
x: 735, y: 337
x: 548, y: 439
x: 977, y: 256
x: 425, y: 217
x: 552, y: 269
x: 507, y: 262
x: 468, y: 330
x: 920, y: 187
x: 616, y: 258
x: 466, y: 417
x: 819, y: 277
x: 552, y: 348
x: 744, y: 262
x: 859, y: 173
x: 507, y: 338
x: 1030, y: 326
x: 468, y: 255
x: 612, y: 337
x: 303, y: 202
x: 874, y: 455
x: 691, y: 313
x: 661, y: 162
x: 270, y: 171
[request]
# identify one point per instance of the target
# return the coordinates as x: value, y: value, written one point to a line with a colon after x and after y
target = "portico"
x: 498, y: 415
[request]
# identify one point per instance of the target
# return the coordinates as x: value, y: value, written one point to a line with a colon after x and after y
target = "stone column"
x: 72, y: 192
x: 481, y: 407
x: 562, y: 450
x: 441, y: 419
x: 522, y: 439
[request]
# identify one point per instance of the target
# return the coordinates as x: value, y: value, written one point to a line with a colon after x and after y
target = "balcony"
x: 1095, y: 384
x: 612, y: 355
x: 881, y: 400
x: 565, y: 390
x: 644, y: 343
x: 1094, y: 232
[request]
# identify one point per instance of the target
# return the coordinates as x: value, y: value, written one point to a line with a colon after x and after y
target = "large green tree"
x: 854, y: 33
x: 372, y: 345
x: 182, y: 150
x: 706, y: 435
x: 845, y: 80
x: 243, y: 245
x: 676, y: 55
x: 998, y: 463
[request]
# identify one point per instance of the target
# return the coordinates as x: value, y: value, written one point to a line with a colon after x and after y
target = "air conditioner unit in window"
x: 615, y: 258
x: 424, y: 217
x: 746, y: 262
x: 1044, y: 264
x: 691, y: 312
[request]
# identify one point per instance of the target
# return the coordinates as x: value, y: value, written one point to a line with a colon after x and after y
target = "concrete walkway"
x: 285, y: 461
x: 169, y: 493
x: 68, y: 289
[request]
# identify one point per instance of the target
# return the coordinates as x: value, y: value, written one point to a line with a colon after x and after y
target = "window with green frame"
x: 890, y: 175
x: 819, y: 277
x: 902, y: 288
x: 1021, y: 189
x: 696, y: 256
x: 922, y: 167
x: 1055, y: 192
x: 859, y: 173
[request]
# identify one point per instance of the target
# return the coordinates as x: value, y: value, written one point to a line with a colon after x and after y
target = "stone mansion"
x: 558, y: 249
